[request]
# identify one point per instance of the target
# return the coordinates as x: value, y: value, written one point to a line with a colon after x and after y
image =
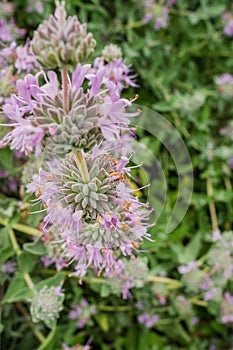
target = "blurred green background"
x: 177, y: 68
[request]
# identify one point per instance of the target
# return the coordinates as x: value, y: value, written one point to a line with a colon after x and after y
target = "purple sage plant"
x: 74, y: 128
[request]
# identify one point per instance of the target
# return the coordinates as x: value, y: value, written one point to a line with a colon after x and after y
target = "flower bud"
x: 46, y: 305
x: 62, y: 42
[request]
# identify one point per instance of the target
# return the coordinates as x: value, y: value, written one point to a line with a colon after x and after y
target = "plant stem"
x: 39, y: 335
x: 22, y: 228
x: 228, y: 186
x: 212, y: 208
x: 18, y: 251
x: 83, y: 166
x: 165, y: 280
x: 99, y: 280
x: 114, y: 308
x: 64, y: 74
x: 23, y: 311
x: 198, y: 302
x: 14, y: 242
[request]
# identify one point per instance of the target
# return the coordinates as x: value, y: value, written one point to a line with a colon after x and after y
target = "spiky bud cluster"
x: 62, y: 42
x: 111, y: 52
x: 46, y: 305
x: 89, y: 187
x: 76, y: 131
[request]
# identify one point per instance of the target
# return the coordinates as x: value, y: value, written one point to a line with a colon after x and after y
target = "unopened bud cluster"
x: 62, y: 42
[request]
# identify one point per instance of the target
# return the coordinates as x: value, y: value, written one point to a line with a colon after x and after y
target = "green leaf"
x: 1, y: 328
x: 105, y: 290
x: 26, y: 261
x: 36, y: 248
x: 6, y: 250
x: 53, y: 281
x: 162, y: 106
x: 103, y: 322
x: 175, y: 330
x: 48, y: 343
x: 193, y: 248
x: 6, y: 159
x: 8, y: 207
x: 17, y: 290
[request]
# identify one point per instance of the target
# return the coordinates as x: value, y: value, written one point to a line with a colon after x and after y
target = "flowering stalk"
x: 65, y: 89
x: 83, y: 166
x: 212, y: 208
x: 82, y: 186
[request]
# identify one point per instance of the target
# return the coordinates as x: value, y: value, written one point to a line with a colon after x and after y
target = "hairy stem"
x: 18, y: 251
x: 83, y: 166
x: 64, y: 74
x: 228, y: 186
x: 22, y: 228
x: 212, y: 208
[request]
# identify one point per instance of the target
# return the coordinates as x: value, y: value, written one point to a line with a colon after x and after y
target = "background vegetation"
x: 177, y: 68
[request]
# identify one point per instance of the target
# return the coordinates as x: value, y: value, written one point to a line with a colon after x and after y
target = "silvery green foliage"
x: 188, y: 103
x: 93, y: 197
x: 62, y: 42
x: 79, y: 129
x: 111, y: 52
x: 46, y: 305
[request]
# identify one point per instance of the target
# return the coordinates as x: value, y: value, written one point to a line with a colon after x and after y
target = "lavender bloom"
x: 35, y: 5
x: 208, y: 283
x: 82, y: 313
x: 59, y: 262
x: 9, y: 31
x: 25, y: 138
x: 90, y: 207
x: 125, y: 275
x: 228, y: 29
x: 8, y: 267
x: 25, y: 60
x: 161, y: 22
x: 111, y: 68
x: 90, y: 203
x: 77, y: 346
x: 183, y: 269
x: 3, y: 173
x: 194, y: 320
x: 227, y: 309
x: 225, y: 78
x: 210, y: 294
x: 216, y: 235
x: 147, y: 320
x: 230, y: 163
x: 158, y: 12
x: 38, y: 112
x: 225, y: 85
x: 222, y: 268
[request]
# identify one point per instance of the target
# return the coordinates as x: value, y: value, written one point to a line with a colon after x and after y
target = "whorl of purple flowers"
x: 157, y: 12
x: 90, y: 209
